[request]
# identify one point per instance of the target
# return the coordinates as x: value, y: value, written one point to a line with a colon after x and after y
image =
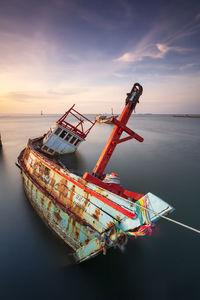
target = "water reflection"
x: 43, y: 237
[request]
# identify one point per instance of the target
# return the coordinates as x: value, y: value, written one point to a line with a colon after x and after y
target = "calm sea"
x: 35, y: 264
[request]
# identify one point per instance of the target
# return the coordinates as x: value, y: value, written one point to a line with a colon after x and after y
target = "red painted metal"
x: 133, y: 195
x: 131, y: 133
x: 131, y: 101
x: 112, y: 187
x: 79, y: 128
x: 89, y: 191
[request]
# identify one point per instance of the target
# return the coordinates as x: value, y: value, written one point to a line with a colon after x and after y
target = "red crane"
x: 120, y: 126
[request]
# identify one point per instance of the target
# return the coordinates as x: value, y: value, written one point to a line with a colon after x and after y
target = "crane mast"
x: 120, y: 126
x: 131, y: 101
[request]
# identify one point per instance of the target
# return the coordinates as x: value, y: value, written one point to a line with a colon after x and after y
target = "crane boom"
x: 120, y: 126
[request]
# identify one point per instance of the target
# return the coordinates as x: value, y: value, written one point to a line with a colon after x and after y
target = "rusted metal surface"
x: 81, y: 198
x: 64, y: 210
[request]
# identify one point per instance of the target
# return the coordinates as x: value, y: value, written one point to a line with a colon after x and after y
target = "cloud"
x: 187, y: 66
x: 119, y: 75
x: 66, y: 91
x: 184, y: 31
x: 154, y: 51
x: 153, y: 44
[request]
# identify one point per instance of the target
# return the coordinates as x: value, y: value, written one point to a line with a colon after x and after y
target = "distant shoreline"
x: 186, y: 116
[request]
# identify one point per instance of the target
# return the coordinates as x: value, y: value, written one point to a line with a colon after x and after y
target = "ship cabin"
x: 67, y: 133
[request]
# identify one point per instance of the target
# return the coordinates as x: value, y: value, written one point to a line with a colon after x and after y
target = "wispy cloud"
x: 187, y: 66
x: 153, y: 44
x: 184, y: 31
x: 119, y: 75
x: 66, y: 91
x: 154, y: 51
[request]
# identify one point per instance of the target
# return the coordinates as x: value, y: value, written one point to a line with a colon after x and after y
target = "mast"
x: 131, y: 101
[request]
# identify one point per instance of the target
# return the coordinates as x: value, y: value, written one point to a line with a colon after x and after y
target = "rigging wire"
x: 166, y: 218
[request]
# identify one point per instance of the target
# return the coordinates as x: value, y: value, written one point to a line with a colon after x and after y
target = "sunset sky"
x: 54, y: 53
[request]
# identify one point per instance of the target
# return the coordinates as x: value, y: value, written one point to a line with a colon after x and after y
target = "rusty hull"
x: 68, y: 205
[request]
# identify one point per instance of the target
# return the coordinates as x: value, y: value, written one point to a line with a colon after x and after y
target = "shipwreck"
x: 93, y: 212
x: 107, y: 119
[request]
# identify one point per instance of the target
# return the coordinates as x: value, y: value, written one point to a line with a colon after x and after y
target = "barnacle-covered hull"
x: 90, y: 219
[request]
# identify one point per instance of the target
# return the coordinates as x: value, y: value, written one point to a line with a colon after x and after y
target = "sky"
x: 54, y: 53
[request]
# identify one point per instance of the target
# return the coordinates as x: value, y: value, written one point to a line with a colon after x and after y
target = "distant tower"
x: 65, y: 137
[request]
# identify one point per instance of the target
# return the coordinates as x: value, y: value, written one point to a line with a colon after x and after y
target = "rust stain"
x: 49, y: 205
x: 71, y: 195
x: 97, y: 214
x: 110, y: 224
x: 82, y: 181
x: 67, y: 228
x: 87, y: 241
x: 62, y: 192
x: 26, y: 153
x: 75, y: 228
x: 36, y: 191
x: 42, y: 201
x: 118, y: 218
x: 56, y: 196
x: 99, y: 191
x: 78, y: 231
x: 52, y: 183
x: 57, y: 215
x: 94, y: 216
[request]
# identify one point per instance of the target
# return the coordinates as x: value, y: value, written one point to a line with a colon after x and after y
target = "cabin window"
x: 58, y: 130
x: 72, y: 140
x: 68, y: 137
x: 51, y: 150
x: 45, y: 148
x: 56, y: 153
x: 76, y: 143
x: 63, y: 134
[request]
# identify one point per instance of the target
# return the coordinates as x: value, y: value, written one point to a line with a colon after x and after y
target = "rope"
x: 166, y: 218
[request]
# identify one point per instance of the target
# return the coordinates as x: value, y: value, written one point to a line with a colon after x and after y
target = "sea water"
x: 35, y: 264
